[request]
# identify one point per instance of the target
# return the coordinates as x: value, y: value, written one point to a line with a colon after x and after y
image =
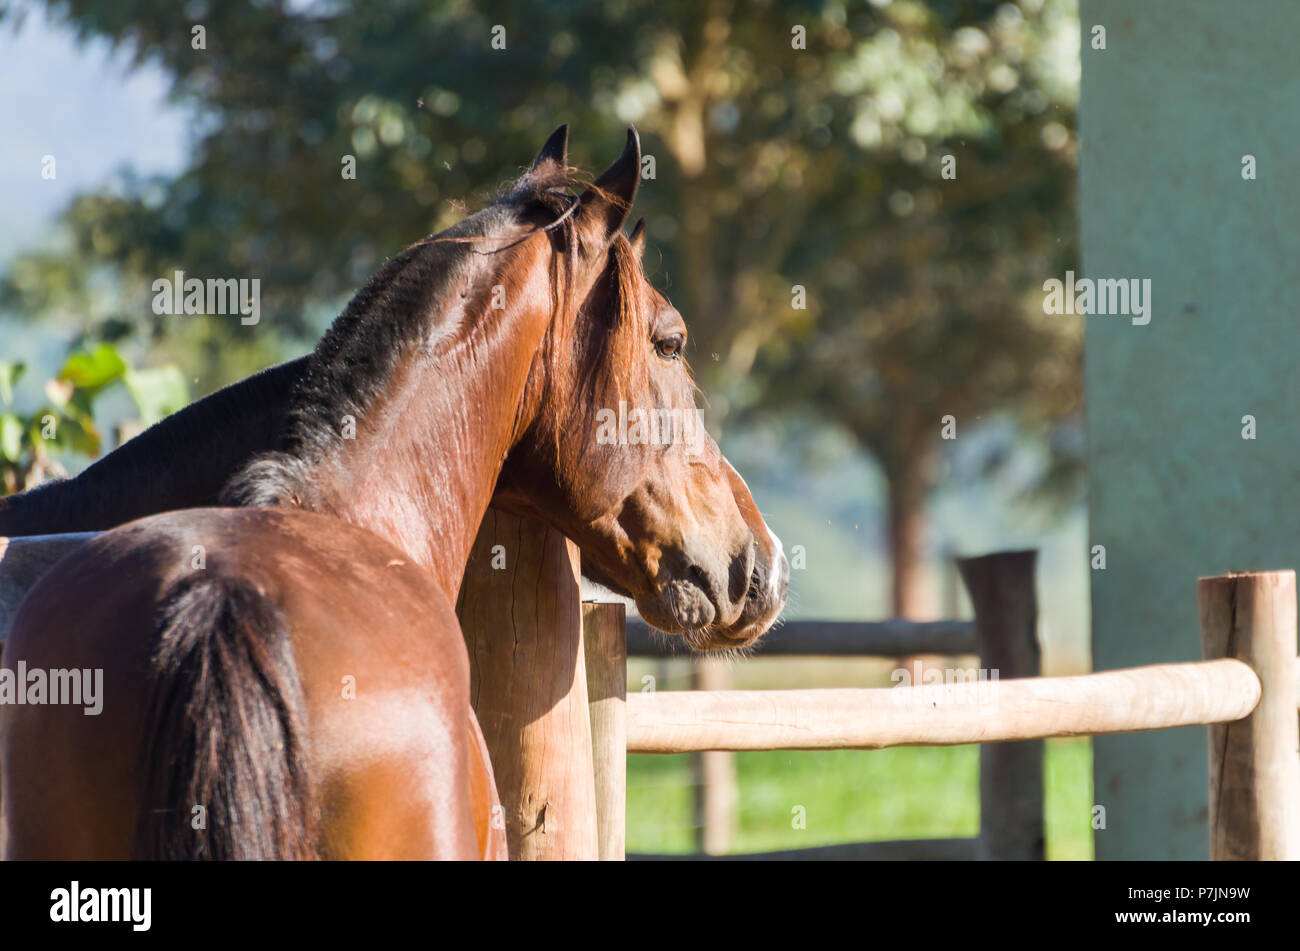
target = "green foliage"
x: 31, y: 443
x: 775, y: 166
x: 157, y: 392
x: 91, y: 370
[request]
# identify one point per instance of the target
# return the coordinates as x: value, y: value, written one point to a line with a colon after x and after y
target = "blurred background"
x: 854, y: 205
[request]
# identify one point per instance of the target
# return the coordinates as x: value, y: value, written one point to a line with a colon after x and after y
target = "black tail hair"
x: 223, y: 768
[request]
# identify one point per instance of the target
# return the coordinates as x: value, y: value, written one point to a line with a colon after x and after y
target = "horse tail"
x: 224, y: 774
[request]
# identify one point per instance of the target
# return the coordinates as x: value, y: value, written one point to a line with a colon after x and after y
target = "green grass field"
x: 852, y: 796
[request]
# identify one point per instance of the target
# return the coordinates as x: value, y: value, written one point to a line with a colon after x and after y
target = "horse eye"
x: 670, y: 348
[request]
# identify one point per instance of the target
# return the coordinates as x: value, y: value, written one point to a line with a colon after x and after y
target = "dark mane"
x: 396, y: 311
x: 180, y: 462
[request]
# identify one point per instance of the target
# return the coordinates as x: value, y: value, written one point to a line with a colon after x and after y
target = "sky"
x: 81, y: 104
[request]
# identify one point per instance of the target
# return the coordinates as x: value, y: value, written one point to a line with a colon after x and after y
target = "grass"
x: 852, y: 796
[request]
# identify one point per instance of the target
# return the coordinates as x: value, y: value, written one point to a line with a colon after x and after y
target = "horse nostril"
x: 740, y: 577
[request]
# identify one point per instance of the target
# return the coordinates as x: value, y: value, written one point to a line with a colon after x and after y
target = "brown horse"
x: 474, y: 364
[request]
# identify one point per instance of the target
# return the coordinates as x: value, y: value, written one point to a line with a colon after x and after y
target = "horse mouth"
x: 686, y: 611
x: 683, y: 609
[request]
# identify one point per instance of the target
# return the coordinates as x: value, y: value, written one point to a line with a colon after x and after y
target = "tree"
x: 790, y: 144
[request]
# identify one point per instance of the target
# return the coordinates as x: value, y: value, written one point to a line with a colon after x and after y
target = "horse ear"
x: 555, y: 150
x: 605, y: 206
x: 638, y: 239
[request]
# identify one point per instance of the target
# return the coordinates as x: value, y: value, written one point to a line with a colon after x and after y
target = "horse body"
x: 392, y: 764
x: 226, y: 635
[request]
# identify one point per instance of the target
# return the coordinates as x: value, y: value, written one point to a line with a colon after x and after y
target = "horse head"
x: 616, y: 456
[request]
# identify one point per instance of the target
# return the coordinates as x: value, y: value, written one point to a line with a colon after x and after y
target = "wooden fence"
x: 1245, y: 690
x: 1004, y: 637
x: 553, y: 704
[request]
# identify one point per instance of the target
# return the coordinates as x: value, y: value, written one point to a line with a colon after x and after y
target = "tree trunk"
x: 909, y: 489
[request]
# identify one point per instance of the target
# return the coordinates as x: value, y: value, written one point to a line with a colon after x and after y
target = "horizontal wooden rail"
x: 902, y: 850
x: 830, y: 639
x: 1117, y: 701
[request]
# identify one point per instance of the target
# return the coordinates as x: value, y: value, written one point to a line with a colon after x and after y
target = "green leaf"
x: 11, y: 437
x: 10, y: 374
x: 80, y: 404
x: 158, y: 392
x: 78, y: 434
x: 91, y: 369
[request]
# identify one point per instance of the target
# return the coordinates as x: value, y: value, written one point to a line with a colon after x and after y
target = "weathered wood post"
x: 604, y: 638
x: 1001, y: 589
x: 1255, y: 762
x: 522, y: 619
x: 714, y: 771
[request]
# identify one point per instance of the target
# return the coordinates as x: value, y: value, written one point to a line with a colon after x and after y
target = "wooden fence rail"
x: 873, y: 718
x: 1246, y: 691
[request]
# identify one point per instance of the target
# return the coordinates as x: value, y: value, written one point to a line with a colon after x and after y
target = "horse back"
x: 379, y: 690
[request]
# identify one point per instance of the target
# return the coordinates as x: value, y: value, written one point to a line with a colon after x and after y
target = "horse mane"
x: 182, y: 461
x: 613, y: 370
x: 352, y: 366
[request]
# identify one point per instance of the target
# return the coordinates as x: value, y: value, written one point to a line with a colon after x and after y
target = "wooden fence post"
x: 523, y: 628
x: 1001, y: 589
x: 714, y: 771
x: 604, y: 638
x: 1255, y: 762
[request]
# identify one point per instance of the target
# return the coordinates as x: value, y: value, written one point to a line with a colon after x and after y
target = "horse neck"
x: 180, y: 462
x: 424, y: 465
